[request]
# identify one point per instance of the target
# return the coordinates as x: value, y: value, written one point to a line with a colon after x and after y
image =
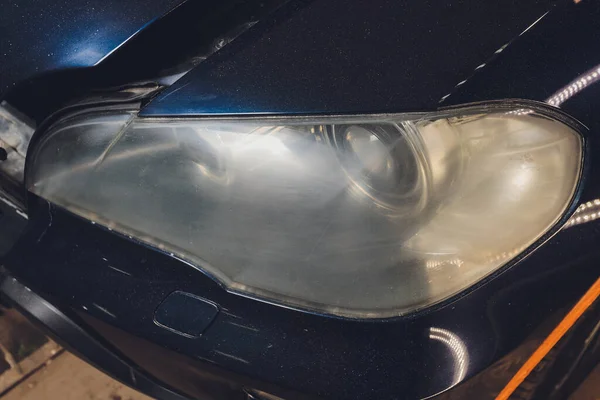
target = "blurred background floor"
x: 32, y: 367
x: 66, y: 377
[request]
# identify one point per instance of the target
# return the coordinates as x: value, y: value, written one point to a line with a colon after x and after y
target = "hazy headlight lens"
x: 368, y: 216
x: 382, y: 163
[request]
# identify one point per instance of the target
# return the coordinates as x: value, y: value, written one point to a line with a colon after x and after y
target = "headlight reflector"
x: 369, y: 216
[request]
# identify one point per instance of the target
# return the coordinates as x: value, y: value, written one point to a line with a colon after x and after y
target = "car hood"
x: 320, y: 56
x: 340, y: 56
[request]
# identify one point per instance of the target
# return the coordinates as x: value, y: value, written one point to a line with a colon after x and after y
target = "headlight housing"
x: 357, y: 216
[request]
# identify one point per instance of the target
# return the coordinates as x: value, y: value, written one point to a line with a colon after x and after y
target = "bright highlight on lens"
x: 362, y: 217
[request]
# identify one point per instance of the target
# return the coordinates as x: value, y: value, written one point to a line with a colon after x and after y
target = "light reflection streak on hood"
x: 457, y: 349
x: 574, y: 87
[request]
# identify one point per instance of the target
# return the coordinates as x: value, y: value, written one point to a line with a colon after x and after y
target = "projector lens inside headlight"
x: 369, y: 216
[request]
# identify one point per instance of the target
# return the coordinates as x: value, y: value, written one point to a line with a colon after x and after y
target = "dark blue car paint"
x: 115, y: 284
x: 155, y: 54
x: 335, y: 56
x: 39, y: 36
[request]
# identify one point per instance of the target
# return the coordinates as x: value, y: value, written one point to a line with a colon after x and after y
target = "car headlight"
x: 358, y: 216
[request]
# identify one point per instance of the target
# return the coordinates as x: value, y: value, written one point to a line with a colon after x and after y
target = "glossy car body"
x: 101, y: 290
